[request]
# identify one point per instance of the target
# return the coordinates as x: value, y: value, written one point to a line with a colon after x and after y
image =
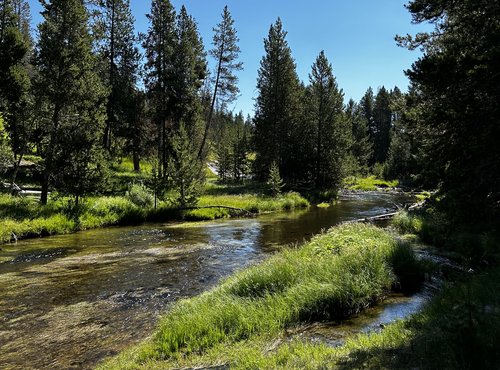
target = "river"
x: 70, y: 301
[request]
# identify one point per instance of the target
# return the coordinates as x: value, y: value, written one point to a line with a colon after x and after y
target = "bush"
x: 140, y: 195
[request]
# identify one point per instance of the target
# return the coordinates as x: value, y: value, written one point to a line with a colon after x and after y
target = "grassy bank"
x: 26, y: 218
x: 370, y: 183
x: 474, y: 245
x: 459, y: 329
x: 337, y: 274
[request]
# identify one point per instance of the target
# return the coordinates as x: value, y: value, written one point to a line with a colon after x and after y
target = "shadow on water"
x: 70, y: 301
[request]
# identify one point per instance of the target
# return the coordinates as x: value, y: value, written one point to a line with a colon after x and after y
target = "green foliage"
x: 5, y: 151
x: 456, y: 115
x: 225, y: 54
x: 407, y: 223
x: 337, y: 274
x: 186, y: 169
x: 329, y: 130
x: 361, y: 146
x: 274, y: 181
x: 140, y: 195
x: 115, y: 41
x: 71, y: 107
x: 277, y: 137
x: 370, y: 183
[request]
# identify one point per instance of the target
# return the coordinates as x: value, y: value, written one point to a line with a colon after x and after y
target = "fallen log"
x: 384, y: 217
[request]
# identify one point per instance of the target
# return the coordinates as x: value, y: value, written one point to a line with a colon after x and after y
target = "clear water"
x: 70, y: 301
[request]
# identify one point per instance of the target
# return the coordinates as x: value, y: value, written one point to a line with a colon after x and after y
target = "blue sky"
x: 356, y: 35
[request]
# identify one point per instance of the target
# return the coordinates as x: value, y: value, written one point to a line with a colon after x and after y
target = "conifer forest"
x: 150, y: 220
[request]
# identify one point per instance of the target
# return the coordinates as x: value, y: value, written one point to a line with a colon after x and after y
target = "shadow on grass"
x: 459, y: 329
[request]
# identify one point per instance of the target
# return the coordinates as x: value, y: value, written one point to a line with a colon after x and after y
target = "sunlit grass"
x: 339, y: 273
x: 26, y: 218
x: 370, y: 183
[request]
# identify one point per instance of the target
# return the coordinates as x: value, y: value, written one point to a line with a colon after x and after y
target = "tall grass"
x: 337, y: 274
x: 26, y: 218
x: 370, y: 183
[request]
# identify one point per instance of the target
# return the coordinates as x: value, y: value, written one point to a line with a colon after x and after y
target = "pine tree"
x: 5, y: 151
x: 382, y: 125
x: 362, y: 148
x: 186, y: 171
x: 274, y: 181
x: 330, y: 130
x: 71, y: 100
x: 278, y: 107
x: 116, y: 43
x: 15, y: 81
x: 225, y: 53
x: 189, y: 72
x: 457, y: 82
x: 160, y: 46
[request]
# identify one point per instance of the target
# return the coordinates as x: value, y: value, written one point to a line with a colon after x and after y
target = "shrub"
x: 140, y: 195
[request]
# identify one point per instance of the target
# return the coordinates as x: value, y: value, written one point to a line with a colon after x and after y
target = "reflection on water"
x: 70, y: 301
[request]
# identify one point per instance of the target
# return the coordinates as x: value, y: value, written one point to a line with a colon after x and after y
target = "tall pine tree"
x: 329, y: 125
x: 362, y: 147
x: 71, y: 100
x: 160, y: 44
x: 382, y: 125
x: 225, y: 53
x: 16, y: 101
x: 278, y: 107
x: 116, y: 43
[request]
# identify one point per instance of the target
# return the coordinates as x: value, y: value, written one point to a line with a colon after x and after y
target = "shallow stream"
x: 70, y: 301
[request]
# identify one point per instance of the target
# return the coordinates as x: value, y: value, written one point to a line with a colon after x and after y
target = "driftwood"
x: 387, y: 216
x: 384, y: 217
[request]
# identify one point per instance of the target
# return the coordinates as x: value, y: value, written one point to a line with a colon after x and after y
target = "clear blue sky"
x: 357, y: 36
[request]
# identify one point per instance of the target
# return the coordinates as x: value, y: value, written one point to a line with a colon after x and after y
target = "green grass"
x: 473, y: 244
x: 370, y: 183
x: 457, y: 329
x: 335, y: 275
x: 26, y: 218
x: 324, y: 205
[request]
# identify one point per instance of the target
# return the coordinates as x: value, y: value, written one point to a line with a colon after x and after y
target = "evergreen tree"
x: 362, y: 148
x: 5, y: 151
x: 225, y: 52
x: 457, y: 82
x: 331, y: 134
x: 274, y: 181
x: 278, y: 108
x: 120, y: 62
x: 15, y: 84
x: 71, y: 100
x: 366, y: 109
x: 189, y: 72
x: 187, y: 175
x: 160, y: 46
x: 382, y: 125
x: 241, y: 166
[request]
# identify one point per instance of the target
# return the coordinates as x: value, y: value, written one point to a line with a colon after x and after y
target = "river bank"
x: 68, y: 301
x: 457, y: 328
x: 336, y: 275
x: 24, y: 218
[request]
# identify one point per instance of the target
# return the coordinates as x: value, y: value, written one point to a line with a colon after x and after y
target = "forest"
x: 106, y: 126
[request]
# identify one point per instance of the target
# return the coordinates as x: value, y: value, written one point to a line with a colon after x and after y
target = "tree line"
x: 82, y: 95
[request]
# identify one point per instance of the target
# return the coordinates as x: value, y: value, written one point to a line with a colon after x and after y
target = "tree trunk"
x: 45, y: 187
x: 212, y: 107
x: 137, y: 161
x: 16, y: 171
